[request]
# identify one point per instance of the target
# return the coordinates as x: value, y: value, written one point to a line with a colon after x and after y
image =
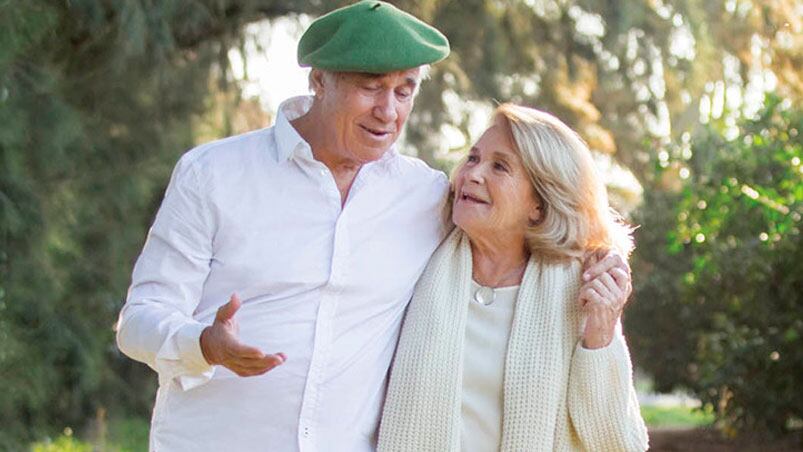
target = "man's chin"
x: 371, y: 153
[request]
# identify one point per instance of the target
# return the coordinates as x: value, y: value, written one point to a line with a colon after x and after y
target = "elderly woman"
x: 502, y: 349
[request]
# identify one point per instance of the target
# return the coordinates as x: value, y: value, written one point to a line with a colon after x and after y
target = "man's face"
x: 366, y: 112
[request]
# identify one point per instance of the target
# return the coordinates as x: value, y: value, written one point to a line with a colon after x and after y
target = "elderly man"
x: 321, y: 229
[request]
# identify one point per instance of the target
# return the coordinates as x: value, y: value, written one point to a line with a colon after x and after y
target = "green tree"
x: 720, y: 273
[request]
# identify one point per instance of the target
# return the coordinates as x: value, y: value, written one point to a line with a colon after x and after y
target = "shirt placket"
x: 322, y: 344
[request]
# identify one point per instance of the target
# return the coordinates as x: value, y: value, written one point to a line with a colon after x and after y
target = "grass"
x: 124, y: 435
x: 676, y: 417
x: 131, y: 434
x: 64, y: 443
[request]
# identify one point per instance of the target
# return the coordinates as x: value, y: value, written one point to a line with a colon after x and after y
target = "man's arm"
x: 156, y: 325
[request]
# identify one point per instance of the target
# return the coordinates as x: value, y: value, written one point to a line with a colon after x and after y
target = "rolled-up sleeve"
x: 156, y: 325
x: 602, y: 400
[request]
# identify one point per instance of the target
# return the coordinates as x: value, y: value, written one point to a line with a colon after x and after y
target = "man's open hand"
x: 220, y: 346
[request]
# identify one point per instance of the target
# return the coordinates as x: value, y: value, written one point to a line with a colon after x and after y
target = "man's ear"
x: 317, y: 82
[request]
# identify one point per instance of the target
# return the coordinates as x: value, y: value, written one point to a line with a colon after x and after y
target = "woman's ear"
x: 536, y: 215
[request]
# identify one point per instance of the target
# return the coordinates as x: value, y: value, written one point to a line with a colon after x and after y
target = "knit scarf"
x: 423, y: 406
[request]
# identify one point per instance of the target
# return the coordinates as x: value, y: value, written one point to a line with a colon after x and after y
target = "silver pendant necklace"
x: 485, y: 295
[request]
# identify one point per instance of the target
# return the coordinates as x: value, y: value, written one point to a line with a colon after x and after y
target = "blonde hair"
x: 575, y: 214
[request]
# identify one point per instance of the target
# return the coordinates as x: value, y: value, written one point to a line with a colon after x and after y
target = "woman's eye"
x: 472, y: 159
x: 500, y: 167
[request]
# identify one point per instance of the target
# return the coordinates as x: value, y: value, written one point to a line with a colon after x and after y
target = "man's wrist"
x: 204, y: 342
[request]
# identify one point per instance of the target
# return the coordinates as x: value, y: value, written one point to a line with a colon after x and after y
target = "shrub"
x: 718, y: 272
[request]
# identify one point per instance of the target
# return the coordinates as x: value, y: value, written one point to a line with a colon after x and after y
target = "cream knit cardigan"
x: 558, y: 396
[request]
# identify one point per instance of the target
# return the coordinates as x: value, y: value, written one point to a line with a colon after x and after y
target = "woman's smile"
x: 472, y: 198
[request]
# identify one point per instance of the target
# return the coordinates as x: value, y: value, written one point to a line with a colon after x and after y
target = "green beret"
x: 370, y: 36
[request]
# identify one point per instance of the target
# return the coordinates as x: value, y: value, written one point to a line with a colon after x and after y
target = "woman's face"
x: 493, y: 194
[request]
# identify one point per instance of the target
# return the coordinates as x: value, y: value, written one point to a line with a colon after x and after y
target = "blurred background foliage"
x: 719, y: 273
x: 693, y: 109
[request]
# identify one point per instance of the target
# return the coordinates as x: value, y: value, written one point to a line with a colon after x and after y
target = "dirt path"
x: 702, y: 440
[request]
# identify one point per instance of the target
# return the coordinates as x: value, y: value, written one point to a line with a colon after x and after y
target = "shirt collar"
x: 290, y: 144
x: 288, y: 141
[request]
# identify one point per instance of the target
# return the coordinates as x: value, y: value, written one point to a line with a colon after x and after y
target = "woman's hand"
x: 601, y: 261
x: 602, y: 300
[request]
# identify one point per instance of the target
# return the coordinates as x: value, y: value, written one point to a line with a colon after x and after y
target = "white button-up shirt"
x: 327, y: 285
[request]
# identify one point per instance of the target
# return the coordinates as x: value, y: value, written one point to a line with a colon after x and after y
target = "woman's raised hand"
x: 603, y: 298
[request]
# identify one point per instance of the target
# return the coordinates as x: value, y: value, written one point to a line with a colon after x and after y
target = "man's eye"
x: 472, y: 159
x: 403, y: 94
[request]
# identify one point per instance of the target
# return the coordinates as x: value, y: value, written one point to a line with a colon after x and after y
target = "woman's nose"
x: 474, y: 174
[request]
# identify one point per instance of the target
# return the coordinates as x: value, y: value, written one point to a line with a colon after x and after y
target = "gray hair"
x: 423, y: 74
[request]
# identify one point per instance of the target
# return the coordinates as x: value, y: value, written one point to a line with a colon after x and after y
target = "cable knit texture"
x: 558, y: 396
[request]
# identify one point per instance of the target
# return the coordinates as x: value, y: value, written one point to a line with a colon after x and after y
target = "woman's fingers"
x: 602, y: 289
x: 624, y: 282
x: 590, y: 295
x: 611, y: 260
x: 615, y: 295
x: 621, y: 277
x: 584, y: 296
x: 602, y: 299
x: 599, y: 301
x: 605, y: 290
x: 601, y: 316
x: 609, y: 283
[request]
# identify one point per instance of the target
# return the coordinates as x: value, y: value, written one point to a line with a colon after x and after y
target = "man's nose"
x: 385, y: 107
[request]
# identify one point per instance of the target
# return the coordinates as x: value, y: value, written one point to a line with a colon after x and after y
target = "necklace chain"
x: 485, y: 295
x: 519, y: 268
